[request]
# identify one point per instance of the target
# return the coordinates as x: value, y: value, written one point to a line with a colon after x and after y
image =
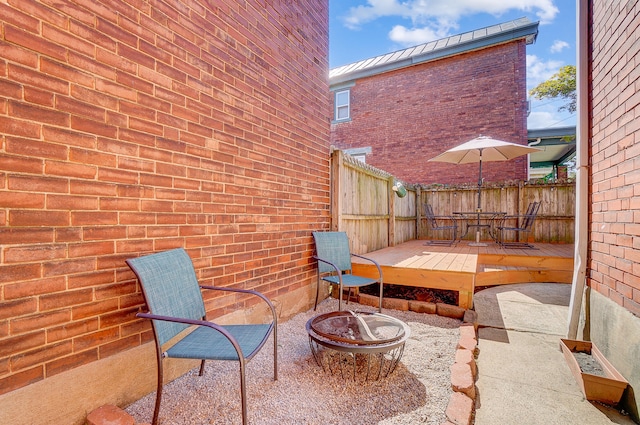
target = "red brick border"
x: 110, y: 415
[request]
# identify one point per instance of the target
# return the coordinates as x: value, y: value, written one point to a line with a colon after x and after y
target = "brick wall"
x: 413, y: 114
x: 614, y: 261
x: 128, y: 127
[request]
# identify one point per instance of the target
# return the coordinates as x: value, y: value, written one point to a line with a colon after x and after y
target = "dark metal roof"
x: 557, y: 144
x: 456, y: 44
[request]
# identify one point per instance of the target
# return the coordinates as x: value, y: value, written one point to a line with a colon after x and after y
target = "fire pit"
x: 360, y: 345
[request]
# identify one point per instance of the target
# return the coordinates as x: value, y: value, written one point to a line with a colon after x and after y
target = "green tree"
x: 561, y: 85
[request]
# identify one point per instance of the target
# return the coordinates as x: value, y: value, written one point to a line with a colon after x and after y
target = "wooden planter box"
x: 606, y: 389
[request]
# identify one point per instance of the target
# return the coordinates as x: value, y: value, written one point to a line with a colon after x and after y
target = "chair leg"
x: 243, y: 392
x: 156, y: 410
x: 201, y: 372
x: 452, y: 241
x: 275, y: 352
x: 317, y: 289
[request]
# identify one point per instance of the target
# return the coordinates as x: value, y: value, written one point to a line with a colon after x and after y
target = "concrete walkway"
x: 523, y: 378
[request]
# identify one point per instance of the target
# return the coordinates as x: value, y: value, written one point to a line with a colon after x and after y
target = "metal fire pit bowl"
x: 360, y: 345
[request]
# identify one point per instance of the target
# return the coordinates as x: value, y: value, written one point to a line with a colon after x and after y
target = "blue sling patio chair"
x: 174, y: 299
x: 334, y: 265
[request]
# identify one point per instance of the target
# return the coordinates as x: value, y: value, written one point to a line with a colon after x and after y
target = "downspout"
x: 582, y: 170
x: 537, y: 142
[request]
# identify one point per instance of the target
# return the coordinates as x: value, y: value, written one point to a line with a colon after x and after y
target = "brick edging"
x: 110, y: 414
x: 464, y: 372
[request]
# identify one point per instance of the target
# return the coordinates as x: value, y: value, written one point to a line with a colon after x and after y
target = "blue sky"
x: 361, y: 29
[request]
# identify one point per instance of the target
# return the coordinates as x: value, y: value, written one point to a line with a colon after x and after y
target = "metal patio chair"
x: 436, y: 222
x: 334, y: 265
x: 523, y: 224
x: 174, y: 299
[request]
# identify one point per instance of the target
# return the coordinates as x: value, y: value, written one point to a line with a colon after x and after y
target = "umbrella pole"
x: 479, y: 184
x: 479, y: 208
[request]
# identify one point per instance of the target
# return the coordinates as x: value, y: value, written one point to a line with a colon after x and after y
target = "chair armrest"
x: 193, y: 322
x: 338, y: 271
x: 246, y: 291
x: 452, y: 219
x: 519, y: 220
x: 447, y: 217
x: 315, y: 257
x: 504, y: 218
x: 373, y: 261
x: 514, y: 216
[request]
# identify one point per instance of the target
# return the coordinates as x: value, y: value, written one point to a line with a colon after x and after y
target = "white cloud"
x: 435, y: 17
x: 405, y: 36
x: 375, y: 9
x: 549, y: 119
x: 541, y: 119
x: 558, y: 46
x: 539, y: 70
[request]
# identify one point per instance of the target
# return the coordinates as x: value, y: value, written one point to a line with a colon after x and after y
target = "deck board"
x: 463, y: 268
x: 415, y: 254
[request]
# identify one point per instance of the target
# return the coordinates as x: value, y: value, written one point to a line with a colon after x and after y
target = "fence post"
x: 520, y: 198
x: 392, y: 211
x: 336, y: 185
x: 418, y: 211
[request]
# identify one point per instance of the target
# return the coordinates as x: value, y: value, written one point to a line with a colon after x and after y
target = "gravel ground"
x: 417, y: 392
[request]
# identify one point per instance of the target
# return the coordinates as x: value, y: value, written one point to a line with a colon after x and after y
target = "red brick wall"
x: 614, y: 261
x: 411, y: 115
x: 132, y: 127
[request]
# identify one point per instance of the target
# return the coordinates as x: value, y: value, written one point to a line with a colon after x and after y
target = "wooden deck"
x: 464, y: 268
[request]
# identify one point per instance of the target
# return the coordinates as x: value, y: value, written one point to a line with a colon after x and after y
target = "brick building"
x: 128, y: 127
x: 606, y: 292
x: 401, y: 109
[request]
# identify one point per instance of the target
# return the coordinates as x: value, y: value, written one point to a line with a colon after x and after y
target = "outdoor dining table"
x: 479, y: 220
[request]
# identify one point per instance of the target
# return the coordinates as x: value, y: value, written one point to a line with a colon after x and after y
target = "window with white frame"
x: 360, y: 157
x: 342, y: 104
x: 359, y: 153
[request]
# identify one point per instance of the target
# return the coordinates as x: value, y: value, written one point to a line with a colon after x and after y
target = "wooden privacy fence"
x: 365, y: 206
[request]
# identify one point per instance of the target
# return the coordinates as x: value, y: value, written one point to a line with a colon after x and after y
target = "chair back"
x: 170, y: 288
x: 333, y: 247
x: 431, y: 217
x: 530, y: 215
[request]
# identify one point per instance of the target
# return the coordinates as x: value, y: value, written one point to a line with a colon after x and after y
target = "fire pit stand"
x: 360, y: 345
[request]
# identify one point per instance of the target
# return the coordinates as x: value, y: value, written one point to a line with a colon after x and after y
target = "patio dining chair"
x: 334, y: 265
x: 437, y: 222
x: 174, y: 299
x: 518, y: 224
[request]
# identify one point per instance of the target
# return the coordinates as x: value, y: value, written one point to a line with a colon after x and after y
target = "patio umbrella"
x: 483, y: 148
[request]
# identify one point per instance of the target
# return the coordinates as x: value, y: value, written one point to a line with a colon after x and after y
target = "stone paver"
x: 460, y: 409
x: 109, y: 415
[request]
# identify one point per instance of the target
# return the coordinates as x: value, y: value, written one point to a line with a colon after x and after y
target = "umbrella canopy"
x: 483, y: 148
